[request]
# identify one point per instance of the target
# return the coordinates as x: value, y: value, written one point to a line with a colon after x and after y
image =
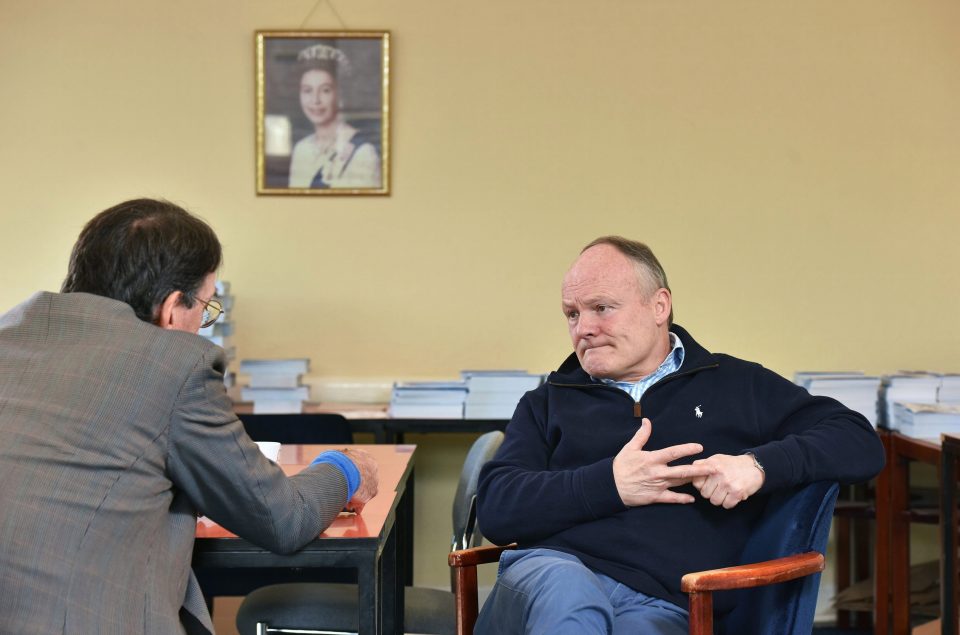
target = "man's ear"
x: 663, y: 302
x: 167, y: 315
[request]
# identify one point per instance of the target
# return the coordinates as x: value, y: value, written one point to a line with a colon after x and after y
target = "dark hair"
x: 141, y: 251
x: 652, y: 275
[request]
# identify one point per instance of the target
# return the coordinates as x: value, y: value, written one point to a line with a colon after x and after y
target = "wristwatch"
x: 756, y: 463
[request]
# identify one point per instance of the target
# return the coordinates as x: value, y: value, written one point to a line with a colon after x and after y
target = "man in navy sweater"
x: 642, y: 458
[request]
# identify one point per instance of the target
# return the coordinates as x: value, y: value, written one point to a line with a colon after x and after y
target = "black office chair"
x: 282, y: 428
x: 333, y: 608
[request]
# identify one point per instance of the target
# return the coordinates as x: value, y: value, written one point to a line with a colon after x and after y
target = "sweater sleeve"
x: 226, y: 477
x: 521, y: 500
x: 813, y: 438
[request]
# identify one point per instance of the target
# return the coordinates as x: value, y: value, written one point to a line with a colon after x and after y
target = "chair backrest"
x: 298, y: 428
x: 465, y: 500
x: 794, y: 521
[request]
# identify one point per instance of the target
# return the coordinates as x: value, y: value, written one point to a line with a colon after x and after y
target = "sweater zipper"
x: 637, y: 409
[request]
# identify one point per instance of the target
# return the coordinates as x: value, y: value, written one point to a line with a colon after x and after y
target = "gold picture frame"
x: 323, y: 112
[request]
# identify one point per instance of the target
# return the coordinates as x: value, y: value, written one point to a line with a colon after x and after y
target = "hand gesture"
x: 734, y: 479
x: 369, y: 479
x: 644, y: 477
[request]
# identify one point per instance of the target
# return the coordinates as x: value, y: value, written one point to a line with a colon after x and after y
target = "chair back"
x: 465, y: 500
x: 794, y: 521
x: 298, y: 428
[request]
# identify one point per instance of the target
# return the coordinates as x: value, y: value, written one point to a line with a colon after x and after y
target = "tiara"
x: 325, y: 52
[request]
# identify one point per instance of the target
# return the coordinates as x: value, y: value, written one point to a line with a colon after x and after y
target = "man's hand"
x: 735, y: 479
x: 643, y: 477
x: 369, y: 479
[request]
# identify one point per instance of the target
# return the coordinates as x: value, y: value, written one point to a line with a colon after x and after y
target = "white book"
x: 429, y: 392
x: 804, y: 377
x: 853, y: 389
x: 277, y: 407
x: 911, y: 387
x: 300, y: 393
x: 499, y: 396
x: 926, y: 420
x: 275, y: 380
x: 949, y: 389
x: 294, y: 366
x: 426, y: 411
x: 489, y: 410
x: 427, y: 397
x: 501, y: 382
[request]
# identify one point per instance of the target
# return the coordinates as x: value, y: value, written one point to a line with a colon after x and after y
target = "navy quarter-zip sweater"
x: 551, y: 483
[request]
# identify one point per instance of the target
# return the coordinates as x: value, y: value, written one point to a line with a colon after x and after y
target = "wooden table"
x: 892, y: 570
x: 366, y: 542
x: 949, y: 472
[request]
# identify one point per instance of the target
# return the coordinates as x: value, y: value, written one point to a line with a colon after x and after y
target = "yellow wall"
x: 796, y: 166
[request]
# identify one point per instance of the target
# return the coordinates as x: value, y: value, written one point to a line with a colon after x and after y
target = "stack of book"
x: 221, y: 331
x: 275, y: 385
x: 907, y: 387
x: 493, y: 394
x: 926, y: 421
x: 855, y: 390
x: 428, y: 400
x: 949, y: 389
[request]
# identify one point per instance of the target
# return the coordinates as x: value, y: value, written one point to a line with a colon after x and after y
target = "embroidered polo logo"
x: 698, y: 412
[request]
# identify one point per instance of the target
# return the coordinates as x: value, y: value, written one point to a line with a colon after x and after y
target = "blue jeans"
x: 542, y: 591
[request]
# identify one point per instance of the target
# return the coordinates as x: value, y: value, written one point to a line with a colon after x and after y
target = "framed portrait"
x: 323, y: 112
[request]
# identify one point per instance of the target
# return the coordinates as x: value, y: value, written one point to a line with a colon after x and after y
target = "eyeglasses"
x: 212, y: 311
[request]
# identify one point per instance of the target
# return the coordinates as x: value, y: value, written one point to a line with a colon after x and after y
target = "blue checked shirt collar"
x: 671, y: 364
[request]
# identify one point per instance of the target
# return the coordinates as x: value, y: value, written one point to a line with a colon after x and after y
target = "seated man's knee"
x: 549, y: 591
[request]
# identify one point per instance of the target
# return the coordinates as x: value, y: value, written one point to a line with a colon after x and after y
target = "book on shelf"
x: 275, y: 385
x: 854, y: 389
x: 429, y: 391
x: 428, y: 400
x: 925, y: 420
x: 949, y: 389
x: 275, y: 380
x: 277, y: 407
x: 500, y: 381
x: 220, y: 332
x: 294, y: 366
x: 299, y: 393
x: 907, y: 387
x: 426, y: 410
x: 494, y: 394
x: 276, y: 400
x: 496, y: 410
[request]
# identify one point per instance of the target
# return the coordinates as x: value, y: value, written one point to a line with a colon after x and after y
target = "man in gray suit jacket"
x: 116, y: 432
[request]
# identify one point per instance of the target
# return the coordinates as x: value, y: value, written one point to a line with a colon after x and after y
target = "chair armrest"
x: 751, y: 575
x: 476, y: 555
x: 464, y: 568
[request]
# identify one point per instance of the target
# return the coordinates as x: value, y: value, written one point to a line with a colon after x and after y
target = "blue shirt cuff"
x: 340, y: 460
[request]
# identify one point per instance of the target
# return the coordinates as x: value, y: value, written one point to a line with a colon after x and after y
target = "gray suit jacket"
x: 114, y: 434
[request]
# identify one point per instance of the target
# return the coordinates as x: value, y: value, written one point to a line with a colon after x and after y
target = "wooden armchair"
x: 779, y: 591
